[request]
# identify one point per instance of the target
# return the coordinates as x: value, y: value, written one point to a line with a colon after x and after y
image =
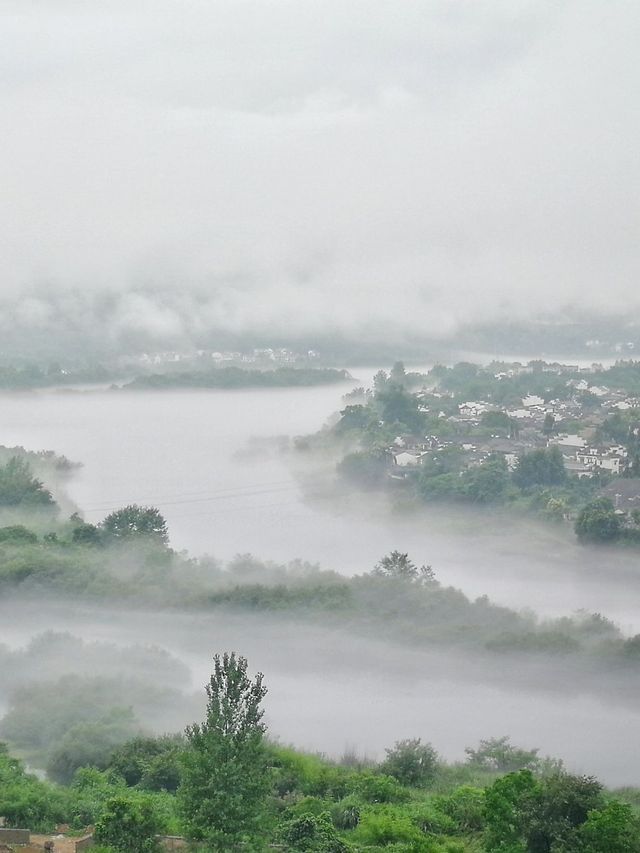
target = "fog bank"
x: 329, y: 691
x: 259, y: 167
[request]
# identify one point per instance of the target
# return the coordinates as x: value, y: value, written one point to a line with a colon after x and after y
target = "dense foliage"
x: 480, y: 460
x: 237, y: 377
x: 19, y: 488
x: 237, y: 791
x: 223, y: 784
x: 225, y: 778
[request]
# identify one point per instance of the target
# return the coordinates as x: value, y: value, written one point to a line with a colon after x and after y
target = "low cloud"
x: 258, y: 167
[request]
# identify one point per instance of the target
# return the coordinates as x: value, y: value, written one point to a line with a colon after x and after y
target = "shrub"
x: 313, y: 833
x: 411, y: 762
x: 378, y: 788
x: 128, y: 825
x: 465, y: 806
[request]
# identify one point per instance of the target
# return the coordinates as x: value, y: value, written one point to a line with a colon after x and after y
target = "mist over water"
x: 205, y: 459
x: 330, y: 691
x: 272, y: 184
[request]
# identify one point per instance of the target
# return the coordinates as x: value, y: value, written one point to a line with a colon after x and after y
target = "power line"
x: 173, y: 495
x: 229, y: 495
x: 247, y: 509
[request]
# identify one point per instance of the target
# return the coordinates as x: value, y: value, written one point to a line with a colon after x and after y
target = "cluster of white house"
x: 584, y: 460
x: 279, y: 355
x: 581, y: 457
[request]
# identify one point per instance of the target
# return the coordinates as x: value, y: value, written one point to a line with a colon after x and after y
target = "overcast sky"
x: 271, y: 164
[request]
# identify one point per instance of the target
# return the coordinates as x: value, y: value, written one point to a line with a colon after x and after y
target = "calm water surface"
x: 203, y: 459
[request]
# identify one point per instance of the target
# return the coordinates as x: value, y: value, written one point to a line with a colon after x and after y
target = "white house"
x: 471, y: 409
x: 569, y: 441
x: 532, y: 400
x: 407, y: 460
x: 595, y: 457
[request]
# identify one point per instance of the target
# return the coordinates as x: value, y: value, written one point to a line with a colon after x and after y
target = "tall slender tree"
x: 225, y: 776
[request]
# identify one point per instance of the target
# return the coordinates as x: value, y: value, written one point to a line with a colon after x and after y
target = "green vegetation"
x: 598, y: 522
x: 397, y: 600
x: 411, y: 762
x: 127, y: 558
x: 133, y: 522
x: 237, y: 377
x: 223, y: 784
x: 30, y: 375
x: 543, y: 467
x: 19, y: 488
x: 129, y: 826
x: 231, y: 790
x: 492, y: 453
x: 225, y: 779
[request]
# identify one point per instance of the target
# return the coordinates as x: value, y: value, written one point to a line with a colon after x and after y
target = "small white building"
x: 471, y: 409
x: 408, y: 460
x: 569, y: 441
x: 532, y: 400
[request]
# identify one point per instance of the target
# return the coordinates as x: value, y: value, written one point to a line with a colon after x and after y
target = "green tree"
x: 499, y: 754
x: 399, y: 566
x: 562, y: 804
x: 18, y: 486
x: 398, y: 406
x: 380, y: 380
x: 153, y: 763
x: 613, y: 829
x: 597, y: 522
x: 128, y: 825
x: 83, y: 532
x: 543, y: 467
x: 411, y: 762
x: 17, y: 534
x: 528, y: 815
x: 353, y: 417
x: 496, y: 422
x: 448, y: 460
x: 488, y: 482
x: 25, y: 800
x: 556, y: 509
x: 90, y: 744
x: 312, y: 834
x: 364, y: 468
x: 398, y: 374
x: 136, y: 522
x: 225, y: 777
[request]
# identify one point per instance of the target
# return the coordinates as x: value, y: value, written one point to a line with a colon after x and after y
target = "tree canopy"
x: 18, y: 486
x: 136, y: 522
x: 225, y: 778
x: 400, y: 567
x: 542, y: 467
x: 597, y: 521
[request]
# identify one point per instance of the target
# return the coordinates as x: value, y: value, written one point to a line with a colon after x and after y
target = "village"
x: 260, y: 357
x: 579, y: 422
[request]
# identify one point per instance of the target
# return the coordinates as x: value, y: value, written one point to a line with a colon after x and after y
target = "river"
x: 203, y: 458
